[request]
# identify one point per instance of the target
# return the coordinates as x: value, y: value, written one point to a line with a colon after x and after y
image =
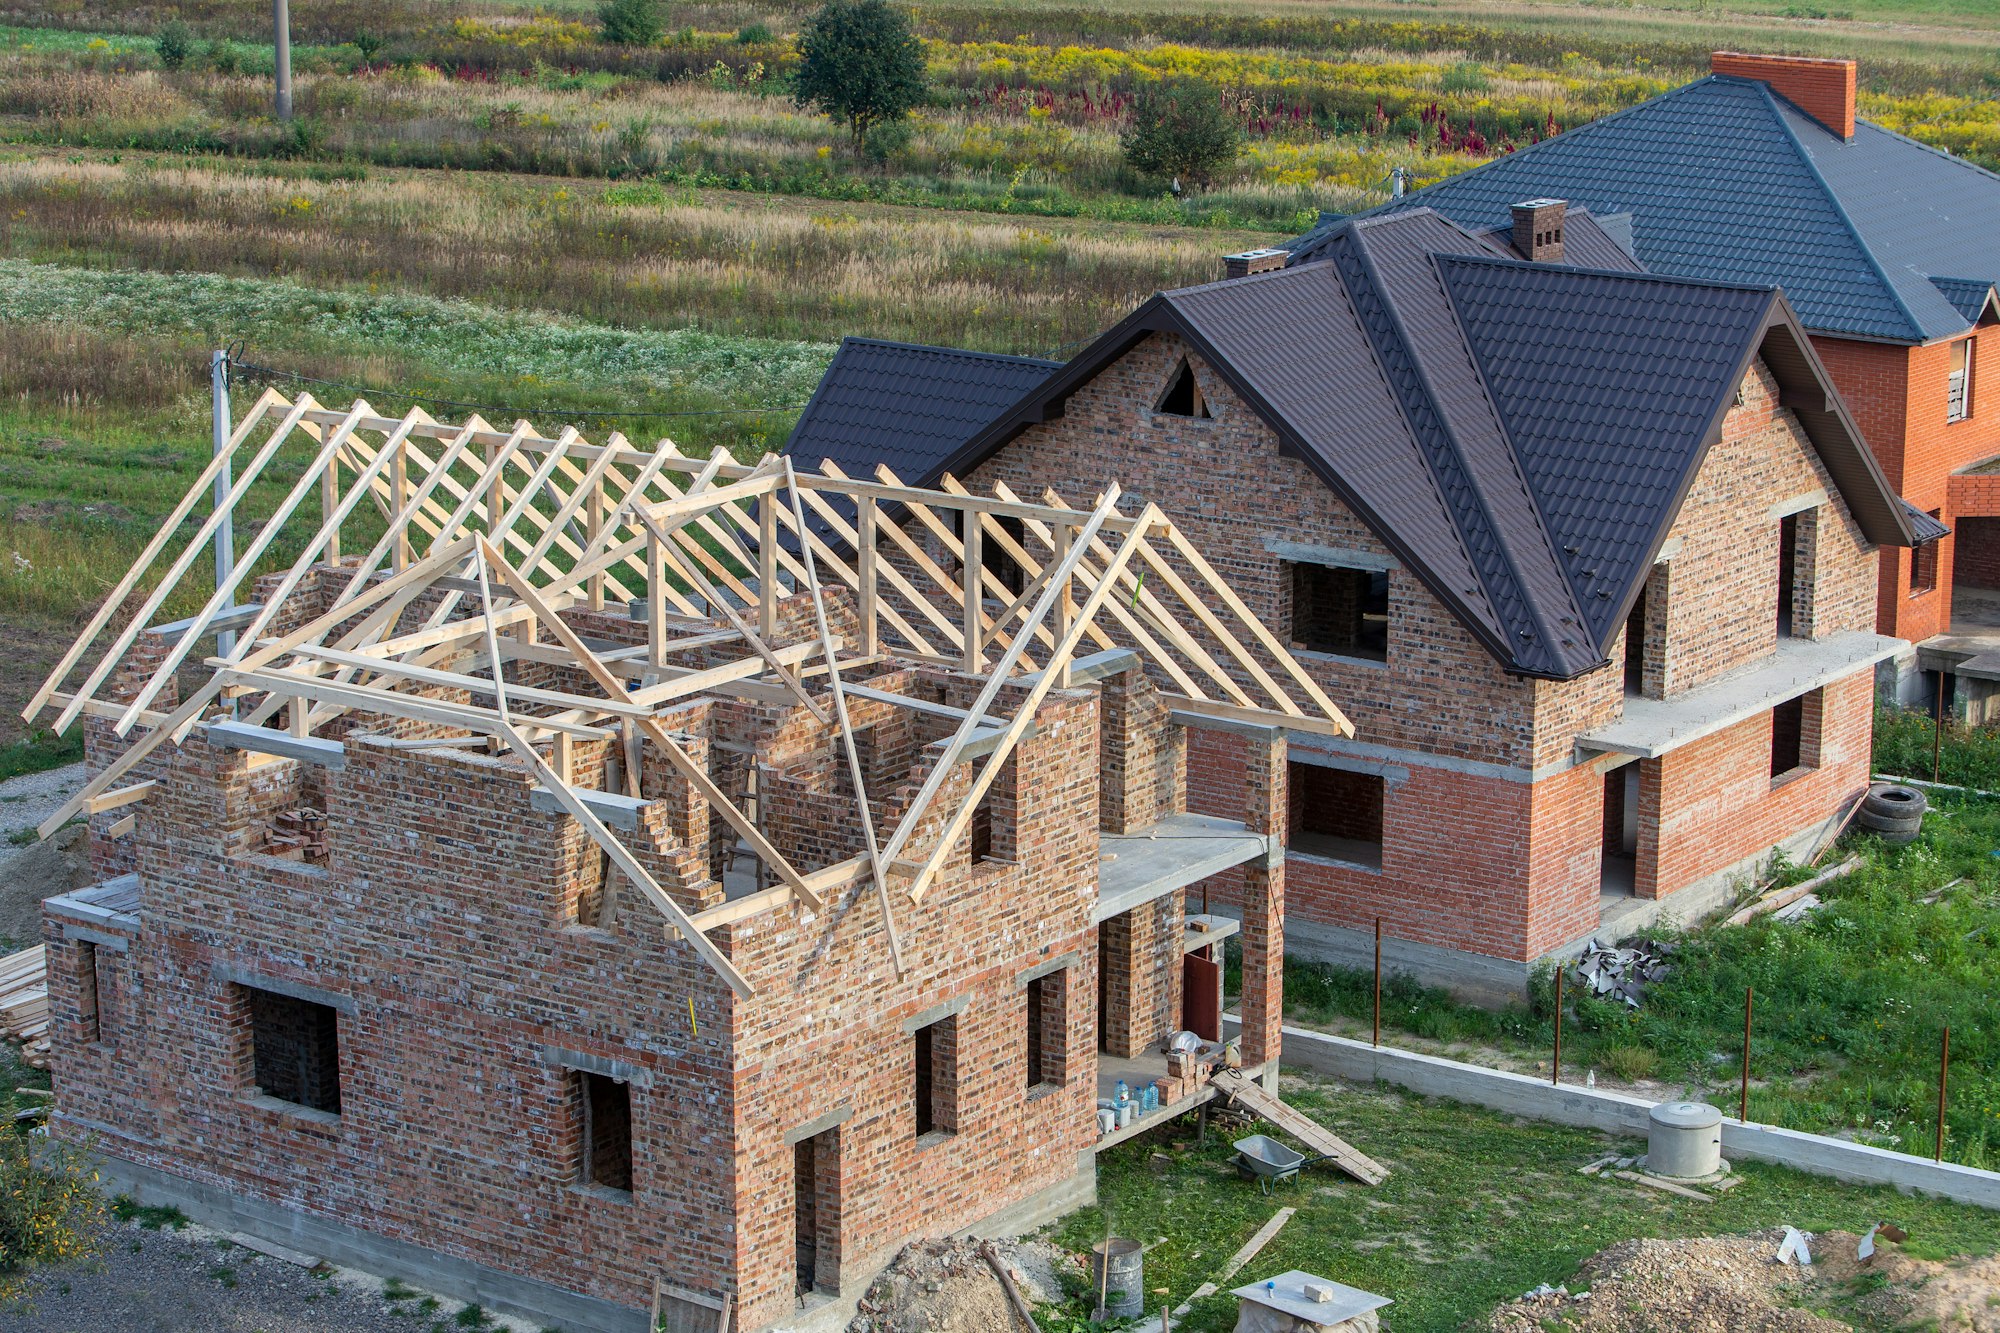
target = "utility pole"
x: 281, y: 22
x: 225, y: 535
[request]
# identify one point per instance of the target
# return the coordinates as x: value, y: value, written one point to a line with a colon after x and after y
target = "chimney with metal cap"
x: 1253, y: 261
x: 1538, y: 229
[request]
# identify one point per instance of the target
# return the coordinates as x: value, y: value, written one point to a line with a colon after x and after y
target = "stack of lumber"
x: 24, y: 1003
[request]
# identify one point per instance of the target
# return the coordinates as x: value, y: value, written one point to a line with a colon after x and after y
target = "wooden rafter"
x: 494, y: 539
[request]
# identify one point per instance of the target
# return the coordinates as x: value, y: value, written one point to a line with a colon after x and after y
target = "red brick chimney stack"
x: 1823, y: 89
x: 1538, y: 229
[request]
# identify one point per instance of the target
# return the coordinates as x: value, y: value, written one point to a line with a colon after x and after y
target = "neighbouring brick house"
x: 372, y: 988
x: 1587, y: 553
x: 1887, y: 250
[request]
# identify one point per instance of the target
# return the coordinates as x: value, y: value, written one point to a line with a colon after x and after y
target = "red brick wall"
x: 445, y: 916
x: 1897, y: 395
x: 1713, y: 803
x: 1823, y: 89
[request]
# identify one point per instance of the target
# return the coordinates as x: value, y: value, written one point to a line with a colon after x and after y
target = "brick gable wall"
x: 1492, y: 831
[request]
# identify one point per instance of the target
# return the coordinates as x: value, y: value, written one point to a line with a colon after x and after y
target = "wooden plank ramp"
x: 1307, y: 1131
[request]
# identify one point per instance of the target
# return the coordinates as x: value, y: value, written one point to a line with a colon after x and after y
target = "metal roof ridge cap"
x: 1630, y: 275
x: 1839, y: 209
x: 1563, y: 577
x: 861, y: 340
x: 1369, y: 270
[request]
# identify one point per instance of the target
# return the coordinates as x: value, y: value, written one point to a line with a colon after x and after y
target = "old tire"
x: 1893, y: 811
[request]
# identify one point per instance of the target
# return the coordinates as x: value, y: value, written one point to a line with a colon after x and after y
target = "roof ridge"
x: 947, y: 351
x: 1633, y: 275
x: 1771, y: 97
x: 1512, y: 606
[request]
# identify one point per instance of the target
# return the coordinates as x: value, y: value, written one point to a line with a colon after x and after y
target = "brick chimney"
x: 1253, y: 261
x: 1538, y: 229
x: 1823, y: 89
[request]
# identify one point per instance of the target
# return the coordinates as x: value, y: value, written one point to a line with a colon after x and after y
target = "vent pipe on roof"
x: 1538, y: 229
x: 1398, y: 182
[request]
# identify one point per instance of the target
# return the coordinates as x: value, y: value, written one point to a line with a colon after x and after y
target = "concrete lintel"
x: 107, y: 904
x: 243, y: 976
x: 1653, y: 727
x: 614, y: 808
x: 1047, y: 967
x: 1340, y: 557
x: 1669, y: 548
x: 264, y: 740
x: 935, y: 1014
x: 225, y: 622
x: 622, y: 1071
x: 1091, y: 669
x: 1178, y: 851
x: 102, y: 939
x: 839, y: 1115
x: 1798, y: 504
x: 983, y: 741
x: 1393, y: 774
x: 1202, y: 721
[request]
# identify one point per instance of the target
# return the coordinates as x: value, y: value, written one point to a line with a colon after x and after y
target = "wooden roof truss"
x: 506, y: 529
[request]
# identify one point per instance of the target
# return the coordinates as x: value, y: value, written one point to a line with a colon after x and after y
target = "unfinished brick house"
x: 1587, y: 554
x: 682, y: 921
x: 1884, y: 246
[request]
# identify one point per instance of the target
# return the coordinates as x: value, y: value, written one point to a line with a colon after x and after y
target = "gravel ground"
x: 193, y: 1280
x: 33, y: 871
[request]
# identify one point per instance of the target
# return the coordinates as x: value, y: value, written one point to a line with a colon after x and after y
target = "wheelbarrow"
x: 1264, y: 1159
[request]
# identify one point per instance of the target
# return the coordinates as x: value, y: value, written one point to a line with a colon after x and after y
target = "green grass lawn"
x: 1478, y: 1208
x: 1850, y: 1003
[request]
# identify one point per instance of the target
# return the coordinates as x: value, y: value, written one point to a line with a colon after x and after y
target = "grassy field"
x: 1850, y: 1003
x: 1478, y: 1208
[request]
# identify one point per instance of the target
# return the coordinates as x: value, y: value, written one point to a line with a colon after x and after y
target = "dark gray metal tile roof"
x: 1521, y: 435
x: 905, y: 405
x: 1608, y: 385
x: 1728, y: 182
x: 1970, y: 297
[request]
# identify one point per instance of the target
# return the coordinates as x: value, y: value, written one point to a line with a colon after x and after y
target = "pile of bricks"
x: 298, y: 835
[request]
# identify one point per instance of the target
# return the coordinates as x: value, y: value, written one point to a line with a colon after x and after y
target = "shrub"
x: 174, y: 44
x: 859, y: 63
x: 47, y: 1208
x: 753, y: 34
x: 369, y: 45
x: 886, y: 140
x: 1631, y: 1063
x: 630, y: 22
x: 1180, y: 130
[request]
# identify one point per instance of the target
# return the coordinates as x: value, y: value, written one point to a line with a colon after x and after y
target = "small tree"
x: 858, y: 63
x: 630, y: 22
x: 174, y: 44
x: 1180, y: 130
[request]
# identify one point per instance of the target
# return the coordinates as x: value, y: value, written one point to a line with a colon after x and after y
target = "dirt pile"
x: 1734, y: 1284
x: 947, y: 1286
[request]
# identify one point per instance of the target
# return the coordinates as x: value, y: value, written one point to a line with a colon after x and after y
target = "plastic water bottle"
x: 1121, y: 1094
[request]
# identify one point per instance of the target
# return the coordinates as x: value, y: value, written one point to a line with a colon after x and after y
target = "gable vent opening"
x: 1183, y: 396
